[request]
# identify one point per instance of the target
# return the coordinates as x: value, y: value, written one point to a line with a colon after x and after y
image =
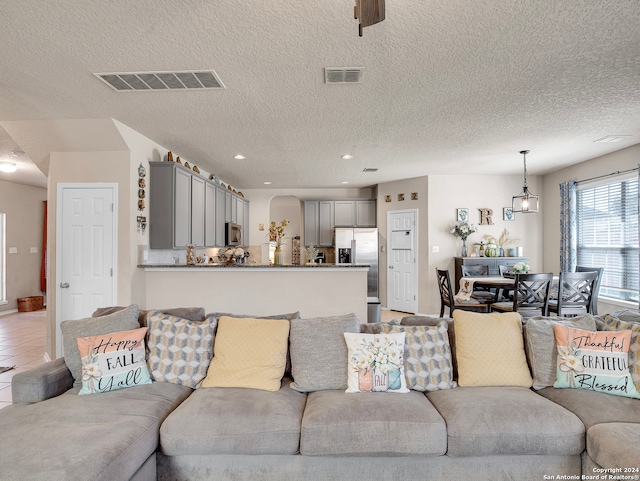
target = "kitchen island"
x: 316, y: 290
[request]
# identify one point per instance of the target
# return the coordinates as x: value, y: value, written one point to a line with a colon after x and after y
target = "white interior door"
x: 86, y: 251
x: 402, y: 278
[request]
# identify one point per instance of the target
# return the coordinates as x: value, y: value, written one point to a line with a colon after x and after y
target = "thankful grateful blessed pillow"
x: 596, y: 361
x: 113, y: 361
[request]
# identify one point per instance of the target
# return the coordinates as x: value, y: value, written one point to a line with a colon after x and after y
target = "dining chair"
x: 504, y: 293
x: 596, y: 286
x: 530, y: 295
x: 575, y: 292
x: 480, y: 293
x: 447, y: 296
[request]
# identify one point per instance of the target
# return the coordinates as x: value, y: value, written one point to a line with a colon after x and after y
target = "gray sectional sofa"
x: 167, y: 431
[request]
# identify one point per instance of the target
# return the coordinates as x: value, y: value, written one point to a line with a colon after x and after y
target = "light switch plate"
x: 34, y: 250
x: 13, y: 250
x: 435, y: 249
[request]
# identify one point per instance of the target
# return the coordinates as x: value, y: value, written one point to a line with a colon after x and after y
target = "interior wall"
x: 24, y: 209
x: 620, y: 160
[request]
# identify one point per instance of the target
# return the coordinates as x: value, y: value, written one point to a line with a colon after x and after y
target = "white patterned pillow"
x: 180, y: 350
x: 375, y: 362
x: 427, y: 356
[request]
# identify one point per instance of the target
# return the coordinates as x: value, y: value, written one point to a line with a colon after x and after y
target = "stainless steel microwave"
x: 233, y: 233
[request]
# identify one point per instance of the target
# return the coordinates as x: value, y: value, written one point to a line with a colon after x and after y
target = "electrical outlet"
x: 34, y: 250
x: 435, y: 249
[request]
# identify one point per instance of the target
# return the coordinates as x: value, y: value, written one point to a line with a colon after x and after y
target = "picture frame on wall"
x: 462, y: 214
x: 507, y: 214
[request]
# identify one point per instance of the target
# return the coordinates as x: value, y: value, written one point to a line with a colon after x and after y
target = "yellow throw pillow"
x: 490, y: 349
x: 249, y: 353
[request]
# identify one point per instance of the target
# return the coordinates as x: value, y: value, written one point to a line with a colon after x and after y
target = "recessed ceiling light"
x: 239, y: 157
x: 344, y: 182
x: 347, y: 157
x: 267, y: 183
x: 8, y: 167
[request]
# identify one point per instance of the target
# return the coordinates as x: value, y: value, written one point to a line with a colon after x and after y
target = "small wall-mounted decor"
x: 142, y: 223
x: 387, y: 198
x: 142, y: 173
x: 485, y: 216
x: 414, y: 196
x: 507, y: 213
x: 400, y: 197
x: 463, y: 214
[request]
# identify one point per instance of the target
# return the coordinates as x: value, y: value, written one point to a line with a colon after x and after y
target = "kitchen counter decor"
x: 233, y: 255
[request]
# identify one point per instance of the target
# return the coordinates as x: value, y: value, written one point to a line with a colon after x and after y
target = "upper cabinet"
x: 322, y: 216
x: 355, y: 213
x: 185, y: 208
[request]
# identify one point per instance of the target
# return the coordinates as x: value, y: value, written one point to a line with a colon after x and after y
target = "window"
x: 607, y: 225
x: 3, y: 262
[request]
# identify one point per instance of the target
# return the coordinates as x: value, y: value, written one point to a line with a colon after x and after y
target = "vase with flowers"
x: 463, y: 230
x: 278, y: 236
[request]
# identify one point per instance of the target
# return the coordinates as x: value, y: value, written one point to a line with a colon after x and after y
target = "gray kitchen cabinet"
x: 311, y: 220
x: 245, y: 222
x: 344, y: 213
x: 318, y: 223
x: 365, y: 213
x: 221, y: 200
x: 172, y: 195
x: 229, y: 207
x: 209, y: 215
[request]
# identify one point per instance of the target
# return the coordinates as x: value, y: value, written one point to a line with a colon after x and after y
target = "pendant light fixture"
x: 368, y: 12
x: 525, y: 201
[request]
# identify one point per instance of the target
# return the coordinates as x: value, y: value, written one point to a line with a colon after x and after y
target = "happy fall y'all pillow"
x: 113, y: 361
x: 596, y: 361
x: 376, y: 362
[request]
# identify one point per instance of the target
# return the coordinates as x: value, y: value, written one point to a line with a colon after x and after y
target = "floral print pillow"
x: 113, y: 361
x: 597, y: 361
x: 375, y: 363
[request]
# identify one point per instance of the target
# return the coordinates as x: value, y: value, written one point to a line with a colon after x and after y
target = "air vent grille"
x: 153, y: 81
x: 343, y: 75
x: 613, y: 138
x: 370, y: 169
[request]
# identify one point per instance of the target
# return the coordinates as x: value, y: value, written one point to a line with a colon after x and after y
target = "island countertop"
x: 249, y: 266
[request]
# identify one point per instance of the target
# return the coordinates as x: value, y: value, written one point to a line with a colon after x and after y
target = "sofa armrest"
x: 43, y: 382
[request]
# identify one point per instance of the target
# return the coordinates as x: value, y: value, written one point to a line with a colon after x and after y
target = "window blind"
x: 607, y: 227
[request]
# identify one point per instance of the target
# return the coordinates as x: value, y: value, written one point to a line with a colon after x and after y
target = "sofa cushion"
x: 122, y: 320
x: 191, y: 313
x: 613, y: 323
x: 337, y: 423
x: 180, y: 350
x: 597, y: 361
x: 540, y: 345
x: 249, y: 353
x: 427, y: 356
x: 71, y: 437
x: 485, y: 421
x: 615, y: 445
x: 235, y: 421
x: 319, y: 352
x: 595, y: 407
x: 113, y: 361
x: 490, y: 349
x: 377, y: 327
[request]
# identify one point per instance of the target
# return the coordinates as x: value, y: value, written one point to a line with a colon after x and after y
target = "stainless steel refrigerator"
x: 359, y: 245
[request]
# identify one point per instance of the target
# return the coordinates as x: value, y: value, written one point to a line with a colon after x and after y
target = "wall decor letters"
x: 485, y: 216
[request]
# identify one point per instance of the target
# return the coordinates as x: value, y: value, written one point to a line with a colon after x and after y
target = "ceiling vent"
x: 150, y: 81
x: 612, y: 138
x: 370, y: 169
x: 343, y: 75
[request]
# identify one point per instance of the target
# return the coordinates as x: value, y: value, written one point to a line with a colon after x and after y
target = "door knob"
x: 64, y: 285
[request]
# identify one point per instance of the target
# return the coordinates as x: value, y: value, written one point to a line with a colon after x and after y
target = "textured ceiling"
x: 449, y: 86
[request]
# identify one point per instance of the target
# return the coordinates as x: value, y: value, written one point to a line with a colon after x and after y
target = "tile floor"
x: 22, y: 344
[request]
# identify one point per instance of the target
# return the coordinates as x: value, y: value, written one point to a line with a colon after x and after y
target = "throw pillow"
x: 319, y: 352
x: 540, y: 345
x: 596, y: 361
x: 490, y: 349
x: 113, y: 361
x: 191, y: 313
x: 377, y: 327
x: 248, y: 353
x: 427, y: 356
x: 614, y: 323
x: 124, y: 320
x: 180, y: 350
x: 376, y: 362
